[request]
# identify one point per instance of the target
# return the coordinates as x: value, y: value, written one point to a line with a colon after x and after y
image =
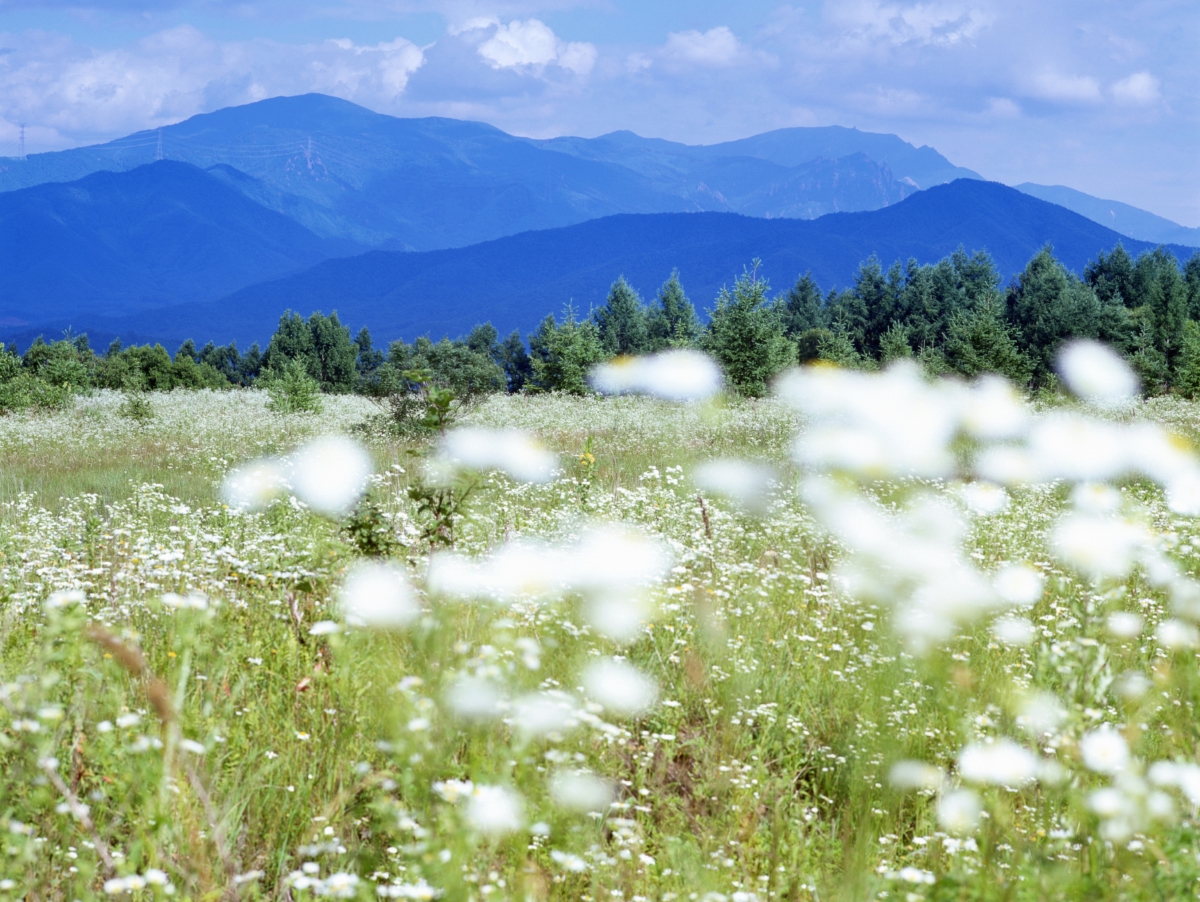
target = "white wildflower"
x: 378, y: 594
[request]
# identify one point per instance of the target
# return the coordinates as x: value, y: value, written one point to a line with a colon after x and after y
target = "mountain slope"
x: 1118, y: 216
x: 515, y: 281
x: 344, y: 171
x: 164, y: 233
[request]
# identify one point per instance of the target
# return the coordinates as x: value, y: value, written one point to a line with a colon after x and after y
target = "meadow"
x: 903, y: 640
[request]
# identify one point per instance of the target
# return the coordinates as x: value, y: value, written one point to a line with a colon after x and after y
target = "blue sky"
x: 1098, y: 95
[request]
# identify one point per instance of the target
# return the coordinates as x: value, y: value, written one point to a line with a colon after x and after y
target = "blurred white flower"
x: 874, y: 426
x: 1015, y: 631
x: 1042, y: 713
x: 495, y: 810
x: 581, y: 791
x: 1176, y: 634
x: 1182, y: 776
x: 377, y: 594
x: 474, y: 697
x: 915, y: 775
x: 676, y: 375
x: 1095, y: 498
x: 1124, y: 624
x: 993, y: 409
x: 1132, y: 685
x: 1099, y: 547
x: 621, y: 616
x: 253, y: 485
x: 984, y: 498
x: 65, y: 598
x: 1018, y: 584
x: 1104, y: 751
x: 330, y: 474
x: 1078, y: 449
x: 453, y: 790
x: 511, y: 451
x: 1097, y: 373
x: 959, y: 811
x: 747, y: 484
x: 603, y: 561
x: 544, y: 713
x: 1000, y: 763
x: 619, y: 687
x: 1183, y: 494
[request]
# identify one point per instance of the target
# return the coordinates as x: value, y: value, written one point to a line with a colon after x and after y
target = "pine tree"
x: 335, y: 353
x: 188, y: 349
x: 518, y: 368
x: 672, y: 322
x: 802, y: 308
x: 746, y: 336
x: 569, y: 352
x: 370, y: 358
x: 621, y: 322
x: 893, y: 345
x: 982, y: 342
x: 1187, y: 367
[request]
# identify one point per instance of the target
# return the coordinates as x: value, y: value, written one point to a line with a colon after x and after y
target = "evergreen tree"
x: 1191, y: 278
x: 746, y: 336
x: 293, y: 340
x: 1149, y: 362
x: 837, y: 348
x: 802, y: 309
x: 518, y: 368
x: 672, y: 322
x: 188, y: 349
x: 567, y: 353
x: 980, y: 341
x: 894, y: 344
x: 369, y: 358
x: 1111, y: 277
x: 250, y: 366
x: 621, y: 322
x: 335, y: 352
x: 1047, y: 305
x: 1187, y: 368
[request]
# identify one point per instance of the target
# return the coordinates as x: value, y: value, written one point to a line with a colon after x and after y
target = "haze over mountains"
x: 515, y: 281
x: 103, y: 238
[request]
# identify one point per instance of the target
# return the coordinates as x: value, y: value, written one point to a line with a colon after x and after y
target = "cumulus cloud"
x: 1139, y: 89
x: 63, y: 88
x: 532, y: 44
x: 715, y: 47
x: 920, y: 23
x: 1050, y: 85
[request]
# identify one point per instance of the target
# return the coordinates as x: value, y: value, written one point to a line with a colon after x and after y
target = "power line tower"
x: 158, y: 153
x: 21, y: 150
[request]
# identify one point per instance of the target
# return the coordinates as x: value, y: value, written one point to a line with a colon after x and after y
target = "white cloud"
x: 920, y: 23
x: 67, y: 91
x: 1055, y: 86
x: 715, y: 47
x: 1139, y: 89
x: 532, y: 44
x: 1003, y: 108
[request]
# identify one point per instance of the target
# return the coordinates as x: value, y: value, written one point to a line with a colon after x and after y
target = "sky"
x: 1098, y: 95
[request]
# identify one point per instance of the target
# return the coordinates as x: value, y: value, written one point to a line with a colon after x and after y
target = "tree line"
x: 953, y: 316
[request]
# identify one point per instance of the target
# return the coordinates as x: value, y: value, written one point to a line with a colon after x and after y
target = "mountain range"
x: 515, y: 281
x: 345, y: 172
x: 315, y: 202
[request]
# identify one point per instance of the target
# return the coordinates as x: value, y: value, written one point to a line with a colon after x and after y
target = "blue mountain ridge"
x: 515, y: 281
x: 114, y: 243
x: 344, y: 171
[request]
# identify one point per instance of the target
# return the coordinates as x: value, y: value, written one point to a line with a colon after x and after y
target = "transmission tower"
x: 21, y: 150
x: 158, y: 154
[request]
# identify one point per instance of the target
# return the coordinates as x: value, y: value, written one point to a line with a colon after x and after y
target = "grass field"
x: 185, y: 713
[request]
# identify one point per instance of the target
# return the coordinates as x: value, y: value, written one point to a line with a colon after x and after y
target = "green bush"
x: 292, y: 389
x: 27, y: 392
